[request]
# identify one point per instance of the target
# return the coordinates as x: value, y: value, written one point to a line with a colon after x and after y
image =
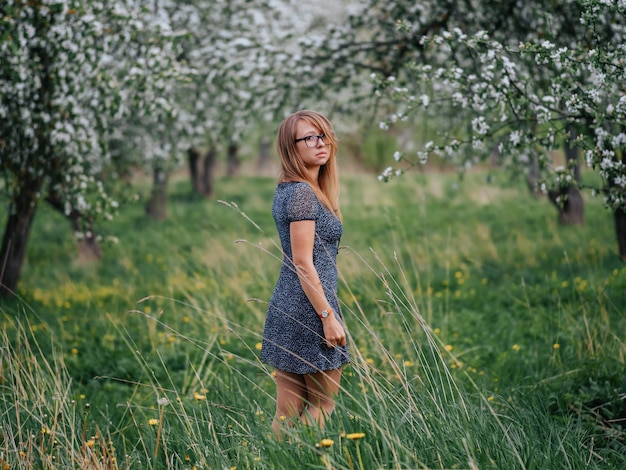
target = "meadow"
x: 483, y: 335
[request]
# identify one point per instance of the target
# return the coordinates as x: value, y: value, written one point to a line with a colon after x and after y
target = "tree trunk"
x: 233, y: 161
x: 620, y: 229
x: 193, y: 155
x: 572, y: 209
x: 532, y: 177
x: 16, y: 235
x: 156, y: 203
x: 208, y: 168
x: 201, y: 170
x: 88, y: 247
x: 264, y: 155
x: 87, y: 243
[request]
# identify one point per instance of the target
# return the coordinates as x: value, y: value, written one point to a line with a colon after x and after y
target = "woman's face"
x: 317, y: 155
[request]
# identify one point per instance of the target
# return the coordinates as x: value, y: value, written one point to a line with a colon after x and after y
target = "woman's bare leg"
x: 291, y: 396
x: 321, y: 388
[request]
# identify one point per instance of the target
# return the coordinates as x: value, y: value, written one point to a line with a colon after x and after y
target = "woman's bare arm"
x: 302, y: 242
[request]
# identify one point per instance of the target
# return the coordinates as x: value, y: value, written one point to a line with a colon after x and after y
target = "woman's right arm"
x: 302, y: 242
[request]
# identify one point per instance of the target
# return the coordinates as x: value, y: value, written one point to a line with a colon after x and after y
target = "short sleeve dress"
x: 293, y: 335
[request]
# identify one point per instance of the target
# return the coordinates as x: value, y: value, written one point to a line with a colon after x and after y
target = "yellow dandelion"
x: 516, y: 347
x: 355, y: 436
x: 91, y: 442
x: 325, y: 443
x: 490, y: 398
x: 199, y: 396
x: 258, y: 346
x: 398, y: 356
x: 556, y: 345
x: 153, y: 421
x: 45, y: 430
x: 186, y: 319
x: 436, y: 331
x: 74, y: 351
x: 449, y: 347
x: 282, y: 417
x: 409, y: 363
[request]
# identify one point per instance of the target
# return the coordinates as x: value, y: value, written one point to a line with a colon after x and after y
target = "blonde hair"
x: 326, y: 188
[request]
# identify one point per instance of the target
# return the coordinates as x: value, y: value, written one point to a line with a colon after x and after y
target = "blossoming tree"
x: 525, y: 78
x: 63, y: 81
x: 89, y: 89
x: 530, y: 99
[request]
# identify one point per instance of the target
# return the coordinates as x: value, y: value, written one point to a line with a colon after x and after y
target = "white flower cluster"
x: 524, y: 101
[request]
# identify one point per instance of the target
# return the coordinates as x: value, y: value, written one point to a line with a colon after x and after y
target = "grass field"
x: 483, y: 335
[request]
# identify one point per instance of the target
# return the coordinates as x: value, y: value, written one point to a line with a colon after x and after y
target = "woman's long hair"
x: 326, y: 188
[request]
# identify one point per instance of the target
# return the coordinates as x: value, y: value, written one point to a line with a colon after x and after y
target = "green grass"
x: 483, y: 335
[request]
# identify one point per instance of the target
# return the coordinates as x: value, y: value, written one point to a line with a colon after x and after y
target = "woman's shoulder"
x: 292, y: 184
x: 298, y: 189
x: 298, y: 200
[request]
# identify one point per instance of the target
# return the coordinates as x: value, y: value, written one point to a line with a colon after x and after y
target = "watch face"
x: 324, y: 314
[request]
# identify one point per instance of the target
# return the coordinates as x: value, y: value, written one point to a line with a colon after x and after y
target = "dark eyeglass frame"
x: 312, y: 138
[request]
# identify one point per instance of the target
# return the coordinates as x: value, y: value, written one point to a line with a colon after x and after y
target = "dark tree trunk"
x: 16, y: 235
x: 264, y: 155
x: 620, y: 229
x: 208, y: 169
x: 534, y: 173
x: 571, y: 206
x: 233, y: 161
x: 532, y: 178
x: 87, y: 244
x: 156, y: 203
x: 193, y: 155
x: 88, y: 247
x: 201, y: 170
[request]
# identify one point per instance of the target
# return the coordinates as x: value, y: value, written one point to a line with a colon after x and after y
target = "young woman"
x: 304, y: 338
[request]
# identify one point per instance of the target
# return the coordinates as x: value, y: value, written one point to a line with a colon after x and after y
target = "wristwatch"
x: 325, y: 313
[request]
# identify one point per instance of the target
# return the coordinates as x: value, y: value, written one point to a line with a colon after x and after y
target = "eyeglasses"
x: 312, y: 140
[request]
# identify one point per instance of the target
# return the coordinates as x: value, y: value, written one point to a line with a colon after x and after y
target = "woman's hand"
x: 334, y: 334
